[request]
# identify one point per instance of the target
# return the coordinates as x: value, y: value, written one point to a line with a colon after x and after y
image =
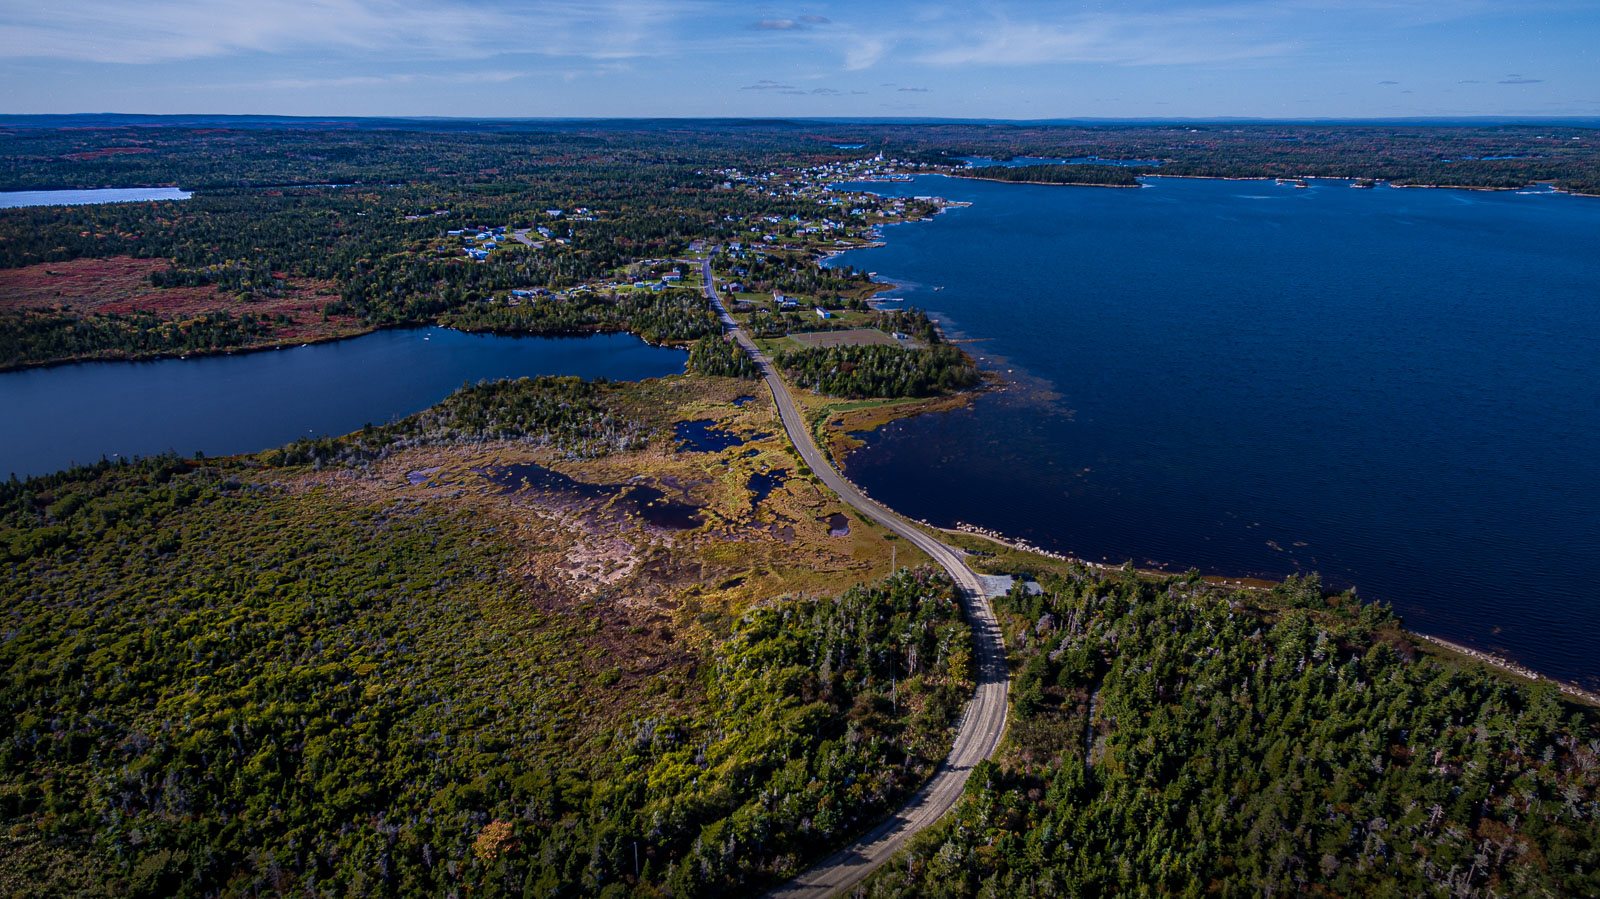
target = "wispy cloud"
x: 1388, y: 82
x: 914, y: 90
x: 374, y: 80
x: 1170, y: 38
x: 164, y: 30
x: 798, y: 23
x: 864, y: 52
x: 1518, y: 79
x: 766, y: 84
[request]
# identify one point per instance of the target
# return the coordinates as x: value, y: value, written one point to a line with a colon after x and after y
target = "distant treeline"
x: 1095, y: 175
x: 29, y: 337
x: 669, y: 316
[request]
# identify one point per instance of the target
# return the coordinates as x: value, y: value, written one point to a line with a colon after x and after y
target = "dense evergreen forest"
x: 879, y: 371
x: 673, y: 315
x: 227, y: 679
x: 720, y: 356
x: 1096, y: 175
x: 51, y: 336
x: 1168, y: 738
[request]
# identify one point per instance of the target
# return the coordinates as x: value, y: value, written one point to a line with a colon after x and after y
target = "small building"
x: 823, y: 313
x: 672, y: 276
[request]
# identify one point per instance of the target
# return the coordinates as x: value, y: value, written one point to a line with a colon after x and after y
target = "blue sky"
x: 1335, y: 58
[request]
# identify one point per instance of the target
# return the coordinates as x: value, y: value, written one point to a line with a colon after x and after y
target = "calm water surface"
x: 1397, y: 388
x: 253, y: 401
x: 15, y: 198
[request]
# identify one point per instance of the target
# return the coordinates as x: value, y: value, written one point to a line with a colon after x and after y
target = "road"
x: 982, y: 724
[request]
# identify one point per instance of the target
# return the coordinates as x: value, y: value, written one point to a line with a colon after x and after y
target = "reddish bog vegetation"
x: 121, y: 284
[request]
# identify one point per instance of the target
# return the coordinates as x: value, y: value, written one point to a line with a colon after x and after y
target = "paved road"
x: 984, y: 721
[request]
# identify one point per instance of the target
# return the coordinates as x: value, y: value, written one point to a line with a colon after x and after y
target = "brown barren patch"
x: 121, y: 284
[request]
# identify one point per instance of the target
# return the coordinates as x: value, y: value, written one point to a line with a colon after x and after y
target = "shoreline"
x: 1376, y: 181
x: 165, y: 356
x: 1046, y: 183
x: 1491, y: 659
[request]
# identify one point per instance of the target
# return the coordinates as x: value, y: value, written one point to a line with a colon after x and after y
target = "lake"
x: 1396, y: 388
x: 253, y: 401
x: 16, y: 198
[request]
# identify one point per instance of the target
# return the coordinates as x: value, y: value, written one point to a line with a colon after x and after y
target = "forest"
x: 48, y: 337
x: 879, y: 371
x: 231, y: 678
x: 1085, y: 174
x: 721, y: 357
x: 1167, y: 737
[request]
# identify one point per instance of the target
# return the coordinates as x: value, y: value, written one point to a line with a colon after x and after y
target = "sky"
x: 866, y: 58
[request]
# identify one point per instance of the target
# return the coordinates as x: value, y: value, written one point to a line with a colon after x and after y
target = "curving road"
x: 982, y: 724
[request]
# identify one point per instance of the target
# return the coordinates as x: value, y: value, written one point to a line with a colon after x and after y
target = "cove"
x: 248, y: 402
x: 1396, y: 388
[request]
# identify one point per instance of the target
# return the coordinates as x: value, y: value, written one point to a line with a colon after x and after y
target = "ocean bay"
x: 1391, y: 387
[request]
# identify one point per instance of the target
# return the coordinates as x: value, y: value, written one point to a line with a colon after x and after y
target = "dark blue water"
x: 252, y: 401
x: 704, y: 436
x: 644, y: 501
x: 1397, y: 388
x: 16, y: 198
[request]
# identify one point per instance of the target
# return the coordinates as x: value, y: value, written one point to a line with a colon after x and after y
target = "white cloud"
x: 1173, y: 38
x: 145, y: 31
x: 375, y: 80
x: 864, y: 52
